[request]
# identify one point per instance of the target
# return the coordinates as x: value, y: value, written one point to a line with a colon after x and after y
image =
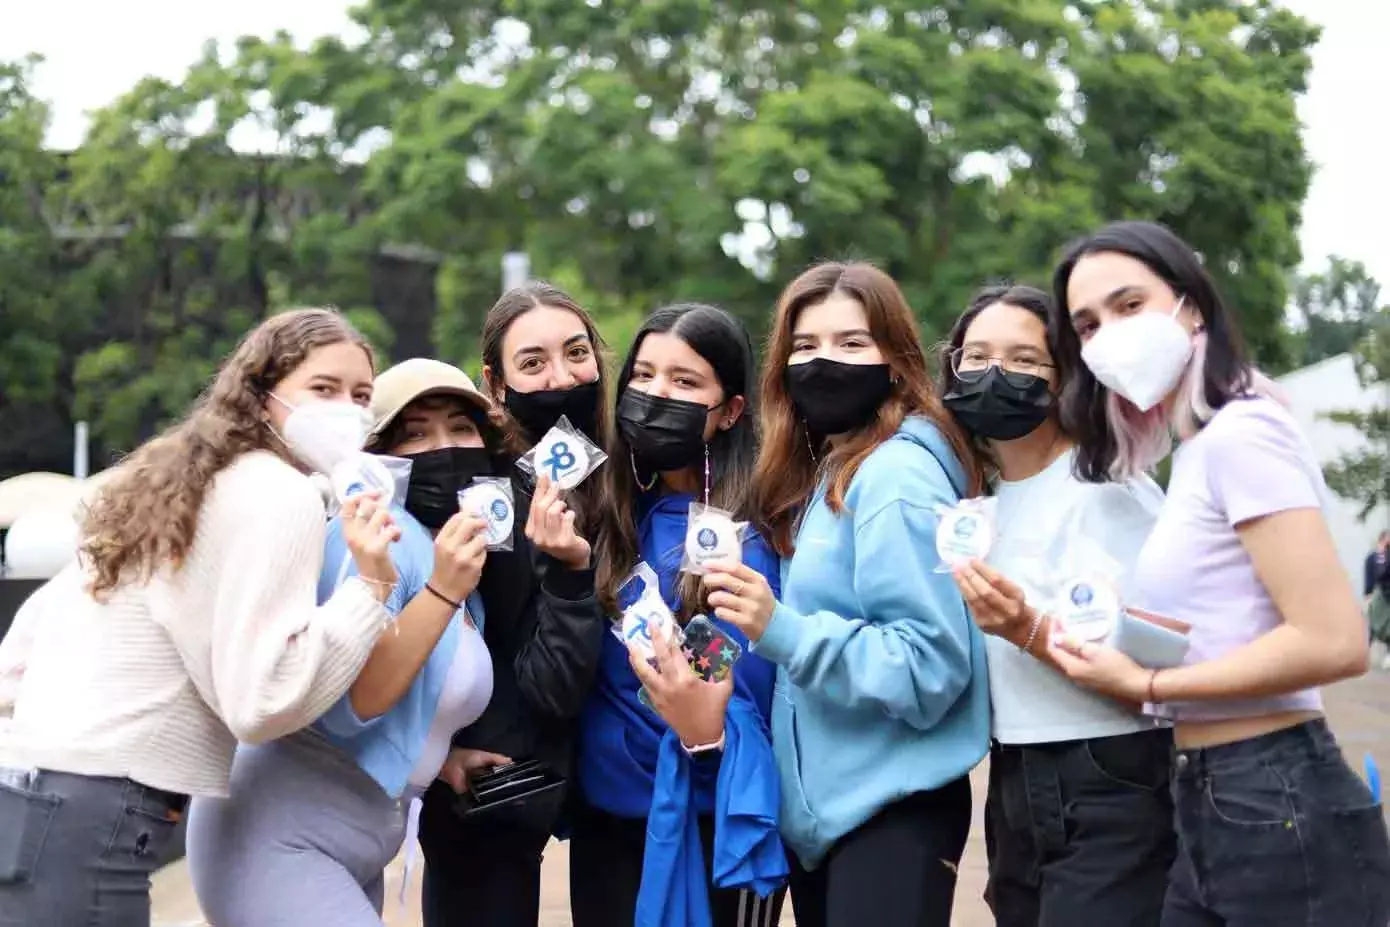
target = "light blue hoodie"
x: 881, y: 688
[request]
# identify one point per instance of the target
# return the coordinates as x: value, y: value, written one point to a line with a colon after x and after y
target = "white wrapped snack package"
x: 711, y: 536
x: 565, y: 456
x: 644, y: 610
x: 1088, y: 608
x: 964, y: 532
x: 399, y: 468
x: 491, y: 499
x: 363, y: 472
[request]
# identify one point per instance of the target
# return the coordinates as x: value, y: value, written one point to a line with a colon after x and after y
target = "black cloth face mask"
x: 537, y: 412
x: 1000, y: 406
x: 664, y: 434
x: 833, y: 397
x: 436, y: 478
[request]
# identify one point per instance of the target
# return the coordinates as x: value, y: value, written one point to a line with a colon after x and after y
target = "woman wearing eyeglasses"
x: 1078, y: 822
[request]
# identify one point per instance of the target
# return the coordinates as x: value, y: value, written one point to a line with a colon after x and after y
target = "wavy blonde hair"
x: 146, y: 515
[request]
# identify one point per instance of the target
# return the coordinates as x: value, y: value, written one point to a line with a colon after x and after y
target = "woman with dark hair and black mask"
x: 1274, y: 828
x: 541, y: 360
x: 679, y: 817
x: 1078, y: 822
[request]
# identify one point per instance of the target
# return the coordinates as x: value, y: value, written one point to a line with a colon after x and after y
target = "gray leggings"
x: 302, y: 841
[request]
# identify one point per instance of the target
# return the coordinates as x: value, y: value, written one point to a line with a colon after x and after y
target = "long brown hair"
x: 787, y: 472
x: 723, y: 342
x: 513, y: 304
x: 146, y: 515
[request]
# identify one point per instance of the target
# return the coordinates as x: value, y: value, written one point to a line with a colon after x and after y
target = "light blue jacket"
x: 881, y: 689
x: 388, y: 746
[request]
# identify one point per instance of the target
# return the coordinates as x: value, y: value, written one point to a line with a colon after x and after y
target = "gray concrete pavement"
x: 1359, y: 711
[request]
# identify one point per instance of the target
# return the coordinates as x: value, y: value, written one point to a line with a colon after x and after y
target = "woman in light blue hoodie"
x: 882, y: 702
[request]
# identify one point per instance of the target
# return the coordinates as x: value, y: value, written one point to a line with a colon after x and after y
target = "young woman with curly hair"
x: 190, y: 622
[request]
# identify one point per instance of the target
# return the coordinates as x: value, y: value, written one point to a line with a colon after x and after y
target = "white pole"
x: 516, y: 269
x: 80, y: 463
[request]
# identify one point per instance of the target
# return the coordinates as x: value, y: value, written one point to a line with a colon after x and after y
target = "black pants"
x: 1277, y: 831
x: 1080, y: 831
x: 898, y: 869
x: 606, y: 872
x: 480, y: 871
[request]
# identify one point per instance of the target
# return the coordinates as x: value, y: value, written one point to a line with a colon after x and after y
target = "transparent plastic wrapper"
x: 1089, y: 607
x: 643, y: 608
x: 565, y: 455
x: 964, y: 532
x: 363, y: 472
x: 711, y: 536
x: 491, y: 498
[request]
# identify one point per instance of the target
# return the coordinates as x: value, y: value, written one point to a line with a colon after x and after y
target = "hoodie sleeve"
x: 907, y: 651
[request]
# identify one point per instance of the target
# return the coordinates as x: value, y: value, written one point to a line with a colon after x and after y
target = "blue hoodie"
x: 632, y: 765
x: 387, y: 747
x: 881, y: 689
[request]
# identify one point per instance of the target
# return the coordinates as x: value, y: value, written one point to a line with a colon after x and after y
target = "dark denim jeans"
x: 78, y: 851
x: 1080, y: 832
x: 1277, y: 831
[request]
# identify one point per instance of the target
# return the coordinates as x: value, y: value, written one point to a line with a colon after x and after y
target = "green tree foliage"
x: 647, y: 151
x: 1335, y: 309
x: 1363, y: 475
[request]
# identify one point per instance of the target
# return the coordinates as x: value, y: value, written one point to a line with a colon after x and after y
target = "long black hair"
x: 1021, y: 296
x: 723, y: 342
x: 1218, y: 372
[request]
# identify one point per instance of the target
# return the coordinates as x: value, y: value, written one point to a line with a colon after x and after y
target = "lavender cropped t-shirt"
x: 1249, y: 461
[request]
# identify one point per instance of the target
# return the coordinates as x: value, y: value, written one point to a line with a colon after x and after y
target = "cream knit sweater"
x: 159, y: 682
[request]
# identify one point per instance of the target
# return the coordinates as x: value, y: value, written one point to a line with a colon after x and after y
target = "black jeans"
x: 481, y: 871
x: 898, y: 869
x: 1277, y: 831
x: 1080, y: 831
x: 606, y: 872
x: 78, y: 851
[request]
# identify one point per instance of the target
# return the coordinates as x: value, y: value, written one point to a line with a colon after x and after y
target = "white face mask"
x: 323, y: 434
x: 1142, y: 357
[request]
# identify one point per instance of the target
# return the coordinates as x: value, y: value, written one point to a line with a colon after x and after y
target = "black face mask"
x: 664, y: 434
x: 1000, y: 406
x: 537, y: 412
x: 834, y: 397
x: 436, y: 478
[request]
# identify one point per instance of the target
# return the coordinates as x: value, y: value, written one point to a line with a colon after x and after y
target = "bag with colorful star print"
x: 711, y: 651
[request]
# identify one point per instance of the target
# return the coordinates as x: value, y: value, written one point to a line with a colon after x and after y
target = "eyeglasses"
x: 970, y: 364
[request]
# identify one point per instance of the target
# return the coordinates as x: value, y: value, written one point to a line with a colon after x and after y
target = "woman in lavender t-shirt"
x: 1273, y: 826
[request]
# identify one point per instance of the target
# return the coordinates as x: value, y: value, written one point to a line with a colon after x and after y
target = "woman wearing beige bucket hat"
x: 314, y: 819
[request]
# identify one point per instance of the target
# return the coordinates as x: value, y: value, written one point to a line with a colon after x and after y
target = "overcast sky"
x: 96, y: 49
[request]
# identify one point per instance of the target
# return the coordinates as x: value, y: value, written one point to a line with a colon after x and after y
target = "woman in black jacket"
x: 542, y: 359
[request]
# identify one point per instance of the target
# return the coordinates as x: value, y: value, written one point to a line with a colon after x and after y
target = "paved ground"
x: 1360, y: 712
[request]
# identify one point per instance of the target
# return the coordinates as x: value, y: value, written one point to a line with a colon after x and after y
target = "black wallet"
x: 526, y: 787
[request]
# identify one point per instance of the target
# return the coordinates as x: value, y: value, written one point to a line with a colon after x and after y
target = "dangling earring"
x: 706, y: 474
x: 645, y: 487
x: 806, y: 432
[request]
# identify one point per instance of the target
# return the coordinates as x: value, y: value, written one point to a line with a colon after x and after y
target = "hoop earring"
x: 645, y: 487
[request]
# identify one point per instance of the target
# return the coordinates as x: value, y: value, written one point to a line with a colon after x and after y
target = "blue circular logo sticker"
x: 706, y: 538
x: 499, y: 509
x: 965, y: 528
x: 355, y: 488
x: 1081, y: 595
